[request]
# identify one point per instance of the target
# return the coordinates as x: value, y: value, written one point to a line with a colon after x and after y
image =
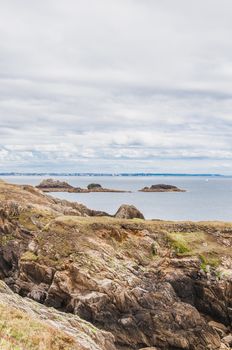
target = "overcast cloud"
x: 116, y: 85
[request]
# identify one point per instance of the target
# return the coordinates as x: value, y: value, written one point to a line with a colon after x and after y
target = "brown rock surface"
x: 39, y: 327
x: 50, y: 183
x: 128, y: 212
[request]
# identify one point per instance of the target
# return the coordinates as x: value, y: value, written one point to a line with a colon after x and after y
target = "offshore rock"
x: 94, y: 186
x: 162, y: 188
x: 50, y: 185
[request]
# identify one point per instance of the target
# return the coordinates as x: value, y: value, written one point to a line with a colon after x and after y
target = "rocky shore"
x: 50, y: 185
x: 110, y: 283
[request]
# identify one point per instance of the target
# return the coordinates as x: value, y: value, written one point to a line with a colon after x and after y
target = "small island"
x: 162, y: 188
x: 51, y: 185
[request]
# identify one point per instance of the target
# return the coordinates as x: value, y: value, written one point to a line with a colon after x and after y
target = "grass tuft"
x: 29, y: 256
x: 178, y: 243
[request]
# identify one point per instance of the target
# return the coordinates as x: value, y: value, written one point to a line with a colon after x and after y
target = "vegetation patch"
x: 5, y: 239
x: 211, y: 261
x: 178, y: 243
x: 29, y: 256
x: 19, y: 332
x: 31, y: 218
x: 154, y: 249
x: 187, y: 242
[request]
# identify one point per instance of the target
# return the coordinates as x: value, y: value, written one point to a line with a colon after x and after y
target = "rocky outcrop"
x: 161, y: 188
x: 150, y: 284
x: 128, y: 212
x: 50, y: 185
x: 98, y: 188
x: 33, y: 206
x: 39, y: 327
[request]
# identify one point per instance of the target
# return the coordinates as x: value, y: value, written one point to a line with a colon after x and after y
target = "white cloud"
x: 87, y: 84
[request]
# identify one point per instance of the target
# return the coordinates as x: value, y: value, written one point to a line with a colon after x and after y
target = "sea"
x: 207, y: 198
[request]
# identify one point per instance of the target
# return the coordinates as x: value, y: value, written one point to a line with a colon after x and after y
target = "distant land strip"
x: 107, y: 174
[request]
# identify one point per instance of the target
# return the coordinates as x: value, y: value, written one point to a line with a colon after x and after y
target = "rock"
x: 227, y: 340
x: 98, y: 188
x: 187, y: 263
x: 94, y: 186
x: 36, y: 327
x: 54, y: 184
x: 33, y: 246
x: 209, y: 298
x: 128, y: 212
x: 220, y: 328
x: 224, y: 347
x: 50, y: 185
x: 161, y: 188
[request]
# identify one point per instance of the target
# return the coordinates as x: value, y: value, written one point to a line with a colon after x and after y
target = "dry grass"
x: 18, y: 331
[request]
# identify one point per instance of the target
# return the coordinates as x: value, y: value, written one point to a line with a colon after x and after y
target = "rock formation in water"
x: 50, y: 185
x: 161, y: 188
x: 145, y: 284
x: 94, y: 186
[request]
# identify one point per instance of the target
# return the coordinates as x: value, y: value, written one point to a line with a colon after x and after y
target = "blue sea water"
x: 205, y: 199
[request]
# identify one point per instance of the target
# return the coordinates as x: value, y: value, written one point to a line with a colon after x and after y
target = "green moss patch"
x: 29, y: 256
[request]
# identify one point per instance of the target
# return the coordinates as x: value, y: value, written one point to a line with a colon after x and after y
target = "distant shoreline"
x: 112, y: 174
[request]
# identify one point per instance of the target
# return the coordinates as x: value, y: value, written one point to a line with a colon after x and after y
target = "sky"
x: 116, y: 86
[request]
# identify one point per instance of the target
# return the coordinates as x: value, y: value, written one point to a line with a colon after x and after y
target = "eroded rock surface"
x: 39, y: 327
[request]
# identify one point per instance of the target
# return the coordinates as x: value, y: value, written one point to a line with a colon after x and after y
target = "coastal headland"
x: 101, y: 282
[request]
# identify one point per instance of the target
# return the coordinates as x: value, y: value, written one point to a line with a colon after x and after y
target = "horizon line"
x: 12, y: 173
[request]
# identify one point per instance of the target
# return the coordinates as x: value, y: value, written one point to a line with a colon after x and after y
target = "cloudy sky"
x: 116, y: 85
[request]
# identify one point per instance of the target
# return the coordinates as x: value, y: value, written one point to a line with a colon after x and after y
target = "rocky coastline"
x: 110, y: 283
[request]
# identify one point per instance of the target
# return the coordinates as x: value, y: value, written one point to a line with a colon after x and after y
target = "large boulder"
x: 128, y: 212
